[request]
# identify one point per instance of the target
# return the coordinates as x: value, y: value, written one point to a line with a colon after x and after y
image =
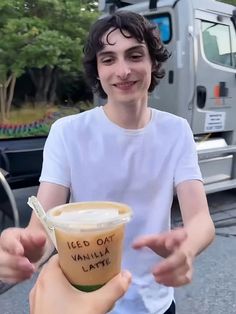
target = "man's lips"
x: 124, y: 85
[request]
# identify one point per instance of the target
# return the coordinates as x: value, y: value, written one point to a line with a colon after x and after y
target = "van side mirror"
x: 233, y: 18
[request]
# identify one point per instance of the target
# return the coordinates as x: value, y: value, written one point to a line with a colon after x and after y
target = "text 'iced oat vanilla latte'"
x: 89, y: 238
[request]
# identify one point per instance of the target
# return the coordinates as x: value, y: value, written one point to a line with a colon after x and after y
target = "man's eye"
x: 136, y: 57
x: 107, y: 60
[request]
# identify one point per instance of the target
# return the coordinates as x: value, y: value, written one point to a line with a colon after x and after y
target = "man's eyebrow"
x: 105, y: 53
x: 108, y: 52
x: 137, y: 47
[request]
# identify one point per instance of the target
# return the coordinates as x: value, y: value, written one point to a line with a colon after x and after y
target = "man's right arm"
x: 21, y: 248
x: 49, y: 196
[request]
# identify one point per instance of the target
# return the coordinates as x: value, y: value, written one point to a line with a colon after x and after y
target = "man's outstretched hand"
x: 19, y: 249
x: 177, y: 266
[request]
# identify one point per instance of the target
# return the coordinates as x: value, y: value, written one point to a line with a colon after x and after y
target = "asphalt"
x: 213, y: 290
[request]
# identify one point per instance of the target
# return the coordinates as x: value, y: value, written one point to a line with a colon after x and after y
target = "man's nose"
x: 123, y: 69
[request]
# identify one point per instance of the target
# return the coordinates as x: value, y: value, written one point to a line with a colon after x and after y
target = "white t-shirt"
x: 99, y: 160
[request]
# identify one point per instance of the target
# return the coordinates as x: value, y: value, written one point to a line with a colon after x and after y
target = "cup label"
x: 90, y: 258
x: 98, y: 253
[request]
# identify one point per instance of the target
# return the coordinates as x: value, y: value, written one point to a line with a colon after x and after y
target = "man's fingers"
x: 14, y: 266
x: 170, y: 264
x: 17, y: 240
x: 160, y: 243
x: 180, y: 277
x: 171, y: 281
x: 176, y: 238
x: 10, y: 241
x: 113, y: 290
x: 154, y: 242
x: 176, y: 270
x: 151, y: 241
x: 33, y: 244
x: 29, y: 240
x: 16, y: 277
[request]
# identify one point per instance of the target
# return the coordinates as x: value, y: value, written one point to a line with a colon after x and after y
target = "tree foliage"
x: 233, y: 2
x: 43, y: 34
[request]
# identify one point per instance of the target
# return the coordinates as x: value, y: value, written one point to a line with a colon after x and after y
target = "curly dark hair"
x: 139, y: 28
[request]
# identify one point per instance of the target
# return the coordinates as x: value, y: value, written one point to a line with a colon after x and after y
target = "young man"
x: 126, y: 152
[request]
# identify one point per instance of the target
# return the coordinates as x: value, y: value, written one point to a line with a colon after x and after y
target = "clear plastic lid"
x: 89, y: 215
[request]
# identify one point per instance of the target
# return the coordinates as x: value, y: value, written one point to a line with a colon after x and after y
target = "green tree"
x: 43, y: 36
x: 233, y: 2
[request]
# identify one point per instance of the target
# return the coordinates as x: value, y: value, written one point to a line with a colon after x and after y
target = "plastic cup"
x: 89, y: 238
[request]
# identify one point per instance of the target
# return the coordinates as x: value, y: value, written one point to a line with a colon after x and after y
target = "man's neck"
x: 128, y: 116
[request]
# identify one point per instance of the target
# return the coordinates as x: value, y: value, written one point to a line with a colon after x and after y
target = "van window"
x: 219, y: 46
x: 163, y: 21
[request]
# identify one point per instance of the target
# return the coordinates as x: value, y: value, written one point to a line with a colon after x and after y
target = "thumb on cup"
x: 112, y: 291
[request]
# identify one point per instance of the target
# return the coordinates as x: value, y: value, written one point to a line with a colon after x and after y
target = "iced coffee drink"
x: 89, y: 238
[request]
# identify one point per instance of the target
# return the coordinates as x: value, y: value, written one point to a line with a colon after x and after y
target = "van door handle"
x: 171, y: 77
x: 223, y: 89
x: 201, y: 96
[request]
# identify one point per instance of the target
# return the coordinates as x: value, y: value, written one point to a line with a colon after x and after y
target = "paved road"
x: 213, y: 290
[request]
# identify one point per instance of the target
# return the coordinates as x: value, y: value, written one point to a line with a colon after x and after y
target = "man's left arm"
x: 179, y: 247
x: 196, y: 216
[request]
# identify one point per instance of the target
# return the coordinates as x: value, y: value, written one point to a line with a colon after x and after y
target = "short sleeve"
x: 187, y: 167
x: 55, y: 167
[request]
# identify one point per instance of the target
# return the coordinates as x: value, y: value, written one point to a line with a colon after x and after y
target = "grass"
x: 32, y: 120
x: 29, y: 113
